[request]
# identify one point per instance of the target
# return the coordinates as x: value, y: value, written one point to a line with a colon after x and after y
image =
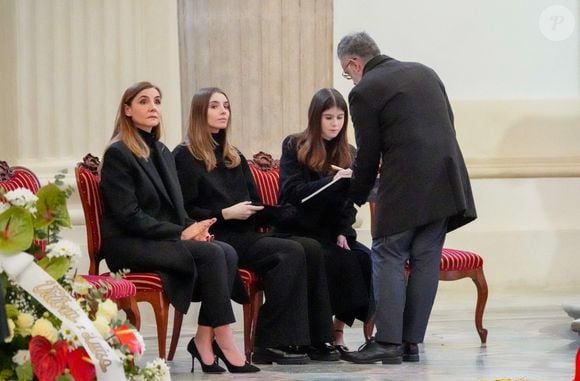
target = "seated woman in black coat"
x: 216, y: 183
x: 311, y: 160
x: 145, y: 228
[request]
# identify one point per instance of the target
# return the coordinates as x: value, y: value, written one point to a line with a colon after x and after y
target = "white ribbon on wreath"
x: 22, y: 269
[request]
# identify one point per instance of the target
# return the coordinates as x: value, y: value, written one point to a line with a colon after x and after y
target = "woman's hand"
x: 342, y: 242
x: 198, y: 231
x: 347, y: 173
x: 241, y: 211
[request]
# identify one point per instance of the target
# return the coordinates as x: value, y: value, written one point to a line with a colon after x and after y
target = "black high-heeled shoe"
x: 246, y: 368
x: 212, y: 368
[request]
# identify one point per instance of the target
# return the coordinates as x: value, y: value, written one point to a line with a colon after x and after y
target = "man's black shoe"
x: 373, y: 352
x: 323, y: 352
x: 278, y: 356
x: 410, y: 352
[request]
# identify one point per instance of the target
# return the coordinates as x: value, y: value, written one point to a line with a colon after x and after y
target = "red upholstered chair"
x: 148, y: 285
x: 120, y: 290
x: 459, y: 264
x: 12, y: 178
x: 17, y: 177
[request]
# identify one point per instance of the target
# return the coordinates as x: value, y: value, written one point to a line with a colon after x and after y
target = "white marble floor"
x: 529, y: 339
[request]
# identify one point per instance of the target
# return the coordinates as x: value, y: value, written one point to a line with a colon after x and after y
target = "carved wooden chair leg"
x: 177, y: 321
x: 257, y: 302
x: 160, y: 305
x: 481, y: 285
x: 248, y: 313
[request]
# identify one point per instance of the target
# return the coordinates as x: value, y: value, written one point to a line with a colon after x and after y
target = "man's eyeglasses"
x: 344, y: 73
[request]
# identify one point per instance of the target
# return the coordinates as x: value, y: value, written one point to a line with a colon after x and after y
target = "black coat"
x: 323, y: 217
x: 143, y: 218
x: 207, y: 193
x: 404, y: 122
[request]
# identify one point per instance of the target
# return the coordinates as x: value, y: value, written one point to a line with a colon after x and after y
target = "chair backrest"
x: 88, y: 179
x: 266, y: 172
x: 17, y: 177
x: 20, y: 177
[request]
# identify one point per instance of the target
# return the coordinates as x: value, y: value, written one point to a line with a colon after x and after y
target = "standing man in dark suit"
x: 404, y: 129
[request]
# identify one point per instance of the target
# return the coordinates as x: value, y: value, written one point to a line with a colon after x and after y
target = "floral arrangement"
x: 39, y: 345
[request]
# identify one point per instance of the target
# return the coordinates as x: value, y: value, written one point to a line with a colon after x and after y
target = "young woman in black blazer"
x: 146, y: 229
x: 310, y: 160
x: 217, y: 183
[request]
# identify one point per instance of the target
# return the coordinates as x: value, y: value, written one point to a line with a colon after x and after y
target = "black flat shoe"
x: 323, y: 352
x: 342, y: 349
x: 246, y: 368
x: 278, y: 356
x: 212, y: 368
x: 410, y: 352
x: 372, y: 352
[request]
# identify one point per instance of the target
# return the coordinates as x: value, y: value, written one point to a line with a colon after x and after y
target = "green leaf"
x: 16, y: 230
x: 51, y: 207
x: 6, y: 374
x: 24, y: 371
x: 11, y: 311
x: 56, y: 267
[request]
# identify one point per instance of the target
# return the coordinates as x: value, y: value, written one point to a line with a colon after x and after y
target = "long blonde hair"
x: 125, y: 130
x: 200, y: 141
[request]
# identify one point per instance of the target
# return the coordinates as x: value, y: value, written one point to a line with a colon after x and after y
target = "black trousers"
x: 217, y: 265
x: 190, y: 271
x: 297, y: 307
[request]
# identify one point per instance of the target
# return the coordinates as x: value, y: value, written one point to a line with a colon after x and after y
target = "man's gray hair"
x: 358, y: 44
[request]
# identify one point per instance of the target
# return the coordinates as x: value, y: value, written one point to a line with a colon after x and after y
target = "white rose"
x: 24, y: 320
x: 43, y: 327
x: 102, y: 325
x: 21, y: 357
x: 108, y: 310
x: 24, y: 323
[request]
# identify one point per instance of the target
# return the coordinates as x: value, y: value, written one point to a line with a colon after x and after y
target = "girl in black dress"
x: 216, y: 183
x: 145, y: 228
x: 311, y: 160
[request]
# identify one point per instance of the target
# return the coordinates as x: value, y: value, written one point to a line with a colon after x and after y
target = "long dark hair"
x: 311, y: 150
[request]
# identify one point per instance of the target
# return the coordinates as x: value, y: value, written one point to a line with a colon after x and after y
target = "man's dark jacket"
x: 403, y: 122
